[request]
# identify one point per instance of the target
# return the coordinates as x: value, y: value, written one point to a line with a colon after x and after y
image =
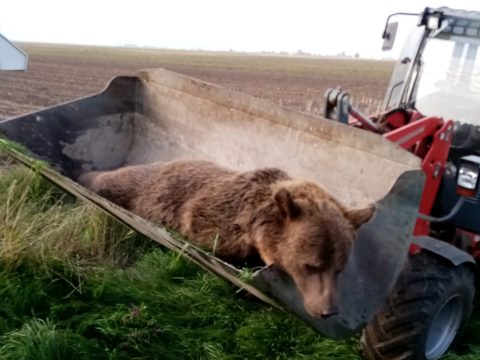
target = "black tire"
x: 429, y: 294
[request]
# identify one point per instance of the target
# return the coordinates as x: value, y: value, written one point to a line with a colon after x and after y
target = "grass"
x: 75, y: 284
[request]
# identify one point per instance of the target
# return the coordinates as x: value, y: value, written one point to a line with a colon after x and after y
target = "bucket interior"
x: 171, y: 117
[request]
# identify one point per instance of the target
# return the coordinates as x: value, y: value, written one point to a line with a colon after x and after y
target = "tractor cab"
x: 438, y: 72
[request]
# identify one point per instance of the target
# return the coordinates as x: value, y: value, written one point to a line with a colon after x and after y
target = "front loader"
x: 431, y: 109
x: 160, y: 116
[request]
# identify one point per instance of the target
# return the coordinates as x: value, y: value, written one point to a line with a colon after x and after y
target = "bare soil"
x: 59, y: 73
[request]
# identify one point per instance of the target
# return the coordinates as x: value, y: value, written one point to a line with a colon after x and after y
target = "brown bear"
x: 293, y: 224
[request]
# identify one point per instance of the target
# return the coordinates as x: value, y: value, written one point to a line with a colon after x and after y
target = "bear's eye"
x: 311, y: 269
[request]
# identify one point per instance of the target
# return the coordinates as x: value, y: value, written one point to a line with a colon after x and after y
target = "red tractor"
x: 432, y: 109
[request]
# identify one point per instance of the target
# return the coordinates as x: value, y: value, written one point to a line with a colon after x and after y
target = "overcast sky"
x: 315, y: 26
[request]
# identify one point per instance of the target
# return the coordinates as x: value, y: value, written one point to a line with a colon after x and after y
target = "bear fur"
x: 293, y: 224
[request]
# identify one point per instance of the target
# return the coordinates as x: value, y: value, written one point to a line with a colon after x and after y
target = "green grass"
x: 75, y: 284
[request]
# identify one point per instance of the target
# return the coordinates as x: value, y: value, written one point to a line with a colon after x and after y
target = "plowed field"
x: 58, y: 73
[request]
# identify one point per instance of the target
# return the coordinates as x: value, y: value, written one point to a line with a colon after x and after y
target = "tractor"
x: 432, y: 109
x: 411, y: 277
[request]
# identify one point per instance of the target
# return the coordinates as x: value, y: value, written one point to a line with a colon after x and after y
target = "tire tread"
x: 399, y: 331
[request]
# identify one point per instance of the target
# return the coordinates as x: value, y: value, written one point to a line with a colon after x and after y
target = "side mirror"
x: 389, y: 35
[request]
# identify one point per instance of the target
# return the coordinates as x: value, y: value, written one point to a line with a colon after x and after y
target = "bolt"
x: 449, y: 133
x: 438, y: 167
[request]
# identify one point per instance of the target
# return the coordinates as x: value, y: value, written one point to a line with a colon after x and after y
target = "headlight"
x: 468, y: 175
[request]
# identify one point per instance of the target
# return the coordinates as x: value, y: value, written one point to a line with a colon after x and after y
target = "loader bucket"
x: 159, y: 115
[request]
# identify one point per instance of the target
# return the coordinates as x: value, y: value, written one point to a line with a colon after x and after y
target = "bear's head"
x: 309, y: 235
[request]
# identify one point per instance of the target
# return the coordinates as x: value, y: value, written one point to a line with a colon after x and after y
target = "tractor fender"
x: 445, y: 250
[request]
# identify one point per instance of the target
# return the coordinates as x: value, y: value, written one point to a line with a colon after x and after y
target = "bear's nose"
x: 321, y: 307
x: 329, y: 312
x: 322, y: 311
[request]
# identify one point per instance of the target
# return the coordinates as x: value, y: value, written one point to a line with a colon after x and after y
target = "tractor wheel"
x: 425, y: 314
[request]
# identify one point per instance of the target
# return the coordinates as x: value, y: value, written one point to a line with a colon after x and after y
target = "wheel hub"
x: 444, y: 328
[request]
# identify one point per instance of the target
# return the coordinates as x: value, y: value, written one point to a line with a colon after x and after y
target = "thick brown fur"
x: 293, y: 224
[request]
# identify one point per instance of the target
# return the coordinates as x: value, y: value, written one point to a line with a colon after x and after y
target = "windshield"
x: 449, y: 81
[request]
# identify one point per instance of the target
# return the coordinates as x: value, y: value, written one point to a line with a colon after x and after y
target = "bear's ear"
x: 359, y: 216
x: 285, y: 203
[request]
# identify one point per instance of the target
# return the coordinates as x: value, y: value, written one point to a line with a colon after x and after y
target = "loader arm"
x: 430, y: 138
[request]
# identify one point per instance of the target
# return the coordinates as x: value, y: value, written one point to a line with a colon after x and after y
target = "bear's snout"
x: 329, y: 312
x: 319, y: 294
x: 322, y: 306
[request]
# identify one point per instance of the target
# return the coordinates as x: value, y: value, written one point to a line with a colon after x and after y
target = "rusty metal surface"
x: 163, y: 116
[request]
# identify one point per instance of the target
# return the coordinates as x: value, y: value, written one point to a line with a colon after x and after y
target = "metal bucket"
x: 159, y: 115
